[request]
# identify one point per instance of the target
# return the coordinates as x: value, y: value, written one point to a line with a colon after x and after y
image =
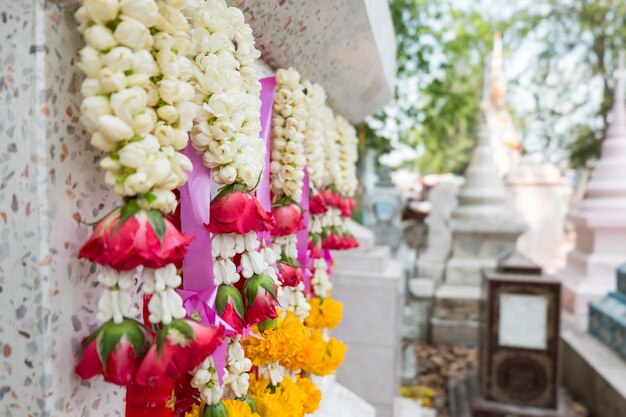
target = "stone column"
x: 600, y: 219
x: 484, y: 228
x: 540, y: 195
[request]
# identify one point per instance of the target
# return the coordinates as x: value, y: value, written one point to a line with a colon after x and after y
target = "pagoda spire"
x: 497, y: 84
x: 617, y: 128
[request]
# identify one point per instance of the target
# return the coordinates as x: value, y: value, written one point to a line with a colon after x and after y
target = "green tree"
x: 578, y: 43
x: 441, y: 51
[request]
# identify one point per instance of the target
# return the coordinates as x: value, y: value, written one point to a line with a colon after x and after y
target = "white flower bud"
x: 91, y: 109
x: 119, y: 58
x: 111, y: 81
x: 132, y: 33
x: 99, y: 37
x: 128, y: 102
x: 90, y: 87
x: 168, y: 113
x: 102, y: 11
x: 114, y: 129
x: 144, y: 122
x: 98, y: 141
x: 144, y: 11
x: 90, y: 61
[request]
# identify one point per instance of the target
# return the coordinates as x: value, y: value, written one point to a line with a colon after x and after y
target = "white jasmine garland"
x: 116, y: 301
x: 332, y: 171
x: 165, y: 304
x: 226, y: 246
x: 226, y: 80
x: 285, y: 245
x: 314, y: 137
x: 321, y: 280
x: 205, y: 379
x: 135, y: 61
x: 293, y: 299
x: 238, y: 367
x: 347, y: 140
x: 274, y: 371
x: 288, y: 126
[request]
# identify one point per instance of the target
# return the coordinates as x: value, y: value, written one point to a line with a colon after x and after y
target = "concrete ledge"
x: 455, y: 332
x: 593, y: 374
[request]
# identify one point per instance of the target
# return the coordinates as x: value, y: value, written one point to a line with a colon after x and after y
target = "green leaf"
x: 158, y: 224
x: 214, y: 410
x: 150, y: 197
x: 227, y: 189
x: 128, y: 210
x: 225, y: 293
x: 136, y: 337
x: 183, y: 327
x: 268, y: 283
x: 108, y: 340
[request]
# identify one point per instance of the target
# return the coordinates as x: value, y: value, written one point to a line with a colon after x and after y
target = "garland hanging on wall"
x: 214, y: 340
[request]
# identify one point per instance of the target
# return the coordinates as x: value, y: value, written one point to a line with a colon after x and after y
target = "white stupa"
x: 504, y: 138
x: 600, y: 219
x: 484, y: 228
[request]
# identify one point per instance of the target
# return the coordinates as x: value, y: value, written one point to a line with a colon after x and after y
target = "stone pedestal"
x: 540, y: 195
x: 484, y: 228
x: 592, y: 373
x: 607, y: 316
x: 337, y: 400
x: 443, y: 200
x: 600, y: 219
x: 369, y: 284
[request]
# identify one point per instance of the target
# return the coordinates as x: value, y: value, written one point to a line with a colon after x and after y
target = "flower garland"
x: 226, y: 132
x: 287, y: 167
x: 138, y: 107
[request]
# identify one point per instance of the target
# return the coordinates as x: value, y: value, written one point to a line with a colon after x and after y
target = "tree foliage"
x: 441, y: 52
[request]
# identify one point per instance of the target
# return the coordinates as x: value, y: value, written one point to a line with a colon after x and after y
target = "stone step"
x: 457, y: 302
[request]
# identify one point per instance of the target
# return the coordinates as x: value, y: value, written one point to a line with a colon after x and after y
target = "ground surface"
x: 436, y: 365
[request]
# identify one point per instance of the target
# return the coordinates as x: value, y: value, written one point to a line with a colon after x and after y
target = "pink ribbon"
x: 195, y: 198
x: 199, y: 289
x: 328, y: 257
x: 302, y: 242
x: 268, y: 87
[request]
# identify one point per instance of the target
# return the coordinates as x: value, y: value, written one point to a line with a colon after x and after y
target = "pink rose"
x: 239, y: 213
x: 260, y: 297
x: 289, y: 220
x: 143, y: 238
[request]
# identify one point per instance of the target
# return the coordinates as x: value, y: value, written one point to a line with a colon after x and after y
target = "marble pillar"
x: 484, y: 228
x: 600, y: 218
x: 540, y: 195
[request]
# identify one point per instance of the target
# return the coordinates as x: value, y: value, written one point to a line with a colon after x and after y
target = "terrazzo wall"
x: 49, y: 182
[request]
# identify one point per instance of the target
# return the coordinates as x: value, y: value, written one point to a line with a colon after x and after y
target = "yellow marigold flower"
x: 324, y: 314
x: 195, y: 411
x: 313, y: 394
x: 257, y: 385
x: 236, y: 408
x: 332, y: 358
x: 270, y: 406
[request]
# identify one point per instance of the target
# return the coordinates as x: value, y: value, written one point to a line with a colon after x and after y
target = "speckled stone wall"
x: 48, y: 182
